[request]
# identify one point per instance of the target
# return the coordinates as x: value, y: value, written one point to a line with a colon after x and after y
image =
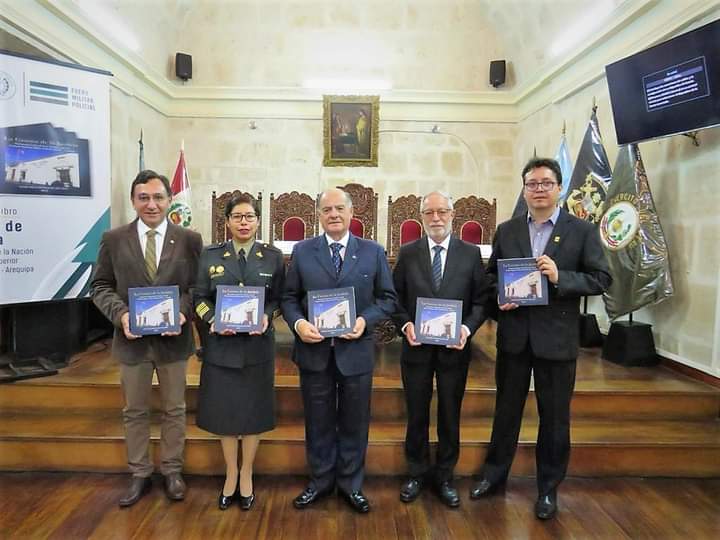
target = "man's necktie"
x: 151, y: 255
x: 337, y: 261
x: 242, y: 262
x: 437, y: 268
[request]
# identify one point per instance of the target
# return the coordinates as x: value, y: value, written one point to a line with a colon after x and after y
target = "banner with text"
x: 54, y: 177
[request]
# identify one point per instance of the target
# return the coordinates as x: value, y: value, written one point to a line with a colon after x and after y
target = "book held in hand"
x: 332, y: 311
x: 240, y: 309
x: 438, y: 321
x: 520, y: 282
x: 154, y: 310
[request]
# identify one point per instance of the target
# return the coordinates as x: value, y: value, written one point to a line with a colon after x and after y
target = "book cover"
x: 154, y: 310
x: 332, y: 311
x: 520, y: 282
x: 239, y: 308
x: 438, y: 321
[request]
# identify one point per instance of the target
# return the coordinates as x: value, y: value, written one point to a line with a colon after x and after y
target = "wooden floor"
x: 626, y: 421
x: 70, y: 506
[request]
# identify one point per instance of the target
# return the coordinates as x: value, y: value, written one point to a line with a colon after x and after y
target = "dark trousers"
x: 418, y: 385
x: 337, y: 418
x: 554, y: 384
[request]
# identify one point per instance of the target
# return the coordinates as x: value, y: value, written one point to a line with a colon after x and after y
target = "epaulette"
x: 271, y: 248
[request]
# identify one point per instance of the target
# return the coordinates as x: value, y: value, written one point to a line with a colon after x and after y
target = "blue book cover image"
x: 438, y: 321
x: 154, y: 310
x: 520, y: 282
x: 332, y: 311
x: 239, y: 308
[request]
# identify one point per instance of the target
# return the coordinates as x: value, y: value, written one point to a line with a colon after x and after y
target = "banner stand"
x: 630, y: 343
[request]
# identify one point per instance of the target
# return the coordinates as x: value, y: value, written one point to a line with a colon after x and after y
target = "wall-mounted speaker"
x: 497, y: 73
x: 183, y: 66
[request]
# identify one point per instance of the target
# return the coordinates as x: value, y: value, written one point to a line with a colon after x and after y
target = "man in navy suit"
x: 336, y: 373
x: 542, y: 340
x: 438, y: 265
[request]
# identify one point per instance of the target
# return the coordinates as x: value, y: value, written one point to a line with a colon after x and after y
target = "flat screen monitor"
x: 668, y: 89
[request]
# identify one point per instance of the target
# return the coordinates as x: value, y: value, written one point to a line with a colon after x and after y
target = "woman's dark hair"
x: 241, y: 198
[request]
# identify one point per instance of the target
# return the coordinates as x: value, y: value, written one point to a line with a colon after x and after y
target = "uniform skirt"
x: 236, y: 401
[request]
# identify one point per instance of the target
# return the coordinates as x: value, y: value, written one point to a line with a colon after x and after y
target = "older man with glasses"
x: 438, y: 265
x: 541, y: 340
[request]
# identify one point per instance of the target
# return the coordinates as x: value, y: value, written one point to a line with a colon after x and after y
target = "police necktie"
x: 437, y: 268
x: 242, y: 262
x: 337, y: 261
x: 151, y: 255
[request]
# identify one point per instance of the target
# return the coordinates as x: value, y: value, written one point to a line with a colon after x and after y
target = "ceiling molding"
x: 60, y: 28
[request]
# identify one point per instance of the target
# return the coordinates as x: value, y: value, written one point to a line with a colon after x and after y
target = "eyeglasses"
x: 547, y: 185
x: 443, y: 212
x: 250, y: 218
x: 157, y: 197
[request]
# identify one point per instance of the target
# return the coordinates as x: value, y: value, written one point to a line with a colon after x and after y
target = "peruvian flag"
x: 180, y: 209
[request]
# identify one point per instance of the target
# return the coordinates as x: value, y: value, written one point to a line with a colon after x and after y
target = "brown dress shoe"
x: 174, y: 487
x: 139, y: 486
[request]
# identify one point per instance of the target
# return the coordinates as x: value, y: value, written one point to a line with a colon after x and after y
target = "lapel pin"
x: 354, y: 256
x: 226, y: 255
x: 556, y: 239
x: 172, y: 241
x: 258, y: 255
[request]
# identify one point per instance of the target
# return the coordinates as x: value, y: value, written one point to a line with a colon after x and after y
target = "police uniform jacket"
x: 219, y: 266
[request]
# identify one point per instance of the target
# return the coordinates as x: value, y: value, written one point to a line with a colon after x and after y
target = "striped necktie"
x: 151, y: 255
x: 437, y: 268
x: 336, y: 260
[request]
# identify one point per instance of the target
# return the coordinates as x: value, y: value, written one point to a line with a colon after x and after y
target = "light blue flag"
x: 566, y: 167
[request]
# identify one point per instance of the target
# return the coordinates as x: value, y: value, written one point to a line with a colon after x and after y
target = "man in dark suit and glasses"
x: 438, y: 265
x: 336, y: 374
x: 148, y: 252
x: 542, y: 340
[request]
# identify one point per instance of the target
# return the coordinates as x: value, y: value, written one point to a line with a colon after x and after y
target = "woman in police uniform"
x: 236, y: 398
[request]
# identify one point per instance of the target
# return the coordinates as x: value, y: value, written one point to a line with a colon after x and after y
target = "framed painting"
x: 350, y: 131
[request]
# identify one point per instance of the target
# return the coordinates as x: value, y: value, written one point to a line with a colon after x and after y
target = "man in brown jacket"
x: 148, y: 252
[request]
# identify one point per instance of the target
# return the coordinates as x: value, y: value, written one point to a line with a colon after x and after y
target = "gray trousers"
x: 137, y: 388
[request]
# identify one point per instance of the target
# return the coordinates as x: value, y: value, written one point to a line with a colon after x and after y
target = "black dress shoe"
x: 138, y: 487
x: 484, y: 488
x: 546, y: 506
x: 224, y: 501
x: 411, y: 489
x: 247, y: 502
x: 356, y: 500
x: 309, y: 496
x: 447, y: 494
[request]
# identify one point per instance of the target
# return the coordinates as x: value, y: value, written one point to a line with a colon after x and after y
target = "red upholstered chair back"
x: 357, y: 228
x: 472, y: 231
x: 410, y: 230
x: 472, y: 212
x: 293, y: 229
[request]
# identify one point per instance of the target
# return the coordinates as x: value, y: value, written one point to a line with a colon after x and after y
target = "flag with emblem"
x: 587, y: 190
x: 633, y: 239
x: 180, y: 212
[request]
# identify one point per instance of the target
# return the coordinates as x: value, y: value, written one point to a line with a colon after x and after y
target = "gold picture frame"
x: 350, y: 131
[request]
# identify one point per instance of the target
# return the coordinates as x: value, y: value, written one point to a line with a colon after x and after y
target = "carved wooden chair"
x: 404, y: 224
x: 365, y: 210
x: 292, y: 216
x: 475, y: 219
x: 219, y: 232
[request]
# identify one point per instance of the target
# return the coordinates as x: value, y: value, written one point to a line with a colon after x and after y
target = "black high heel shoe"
x: 246, y: 502
x: 224, y: 501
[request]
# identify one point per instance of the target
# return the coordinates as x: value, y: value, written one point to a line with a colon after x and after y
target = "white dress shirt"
x: 161, y: 230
